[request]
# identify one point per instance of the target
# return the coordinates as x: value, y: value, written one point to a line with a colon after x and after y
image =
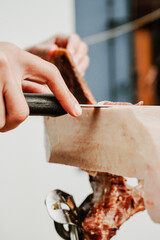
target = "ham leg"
x: 122, y: 140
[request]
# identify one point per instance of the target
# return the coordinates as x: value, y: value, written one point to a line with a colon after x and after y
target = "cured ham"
x: 113, y: 203
x: 120, y: 140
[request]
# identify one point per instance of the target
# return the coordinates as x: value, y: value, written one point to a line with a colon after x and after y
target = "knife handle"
x: 44, y: 105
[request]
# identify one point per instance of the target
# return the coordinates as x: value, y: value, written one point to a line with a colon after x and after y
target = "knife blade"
x: 95, y: 106
x: 48, y: 105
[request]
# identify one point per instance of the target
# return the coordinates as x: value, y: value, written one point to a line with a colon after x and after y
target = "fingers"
x: 82, y: 66
x: 79, y: 50
x: 32, y: 87
x: 16, y: 106
x: 59, y: 42
x: 17, y: 65
x: 81, y: 58
x: 81, y: 53
x: 73, y: 44
x: 44, y: 49
x: 43, y: 72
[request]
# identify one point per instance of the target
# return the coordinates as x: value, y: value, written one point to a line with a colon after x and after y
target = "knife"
x: 48, y: 105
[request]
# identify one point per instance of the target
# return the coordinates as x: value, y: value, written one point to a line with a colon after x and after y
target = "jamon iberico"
x: 113, y: 200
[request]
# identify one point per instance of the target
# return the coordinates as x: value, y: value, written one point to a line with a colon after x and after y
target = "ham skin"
x: 120, y: 140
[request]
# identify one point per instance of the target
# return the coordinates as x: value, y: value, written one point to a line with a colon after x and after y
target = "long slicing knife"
x: 48, y: 105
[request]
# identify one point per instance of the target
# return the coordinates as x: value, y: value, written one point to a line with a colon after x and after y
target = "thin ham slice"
x: 75, y: 82
x: 121, y: 103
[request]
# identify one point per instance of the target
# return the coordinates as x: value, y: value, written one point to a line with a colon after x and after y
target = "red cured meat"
x: 113, y: 203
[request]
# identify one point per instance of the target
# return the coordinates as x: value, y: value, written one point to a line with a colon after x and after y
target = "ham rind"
x: 122, y: 140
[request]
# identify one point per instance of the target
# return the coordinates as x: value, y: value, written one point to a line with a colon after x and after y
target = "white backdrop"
x: 25, y: 176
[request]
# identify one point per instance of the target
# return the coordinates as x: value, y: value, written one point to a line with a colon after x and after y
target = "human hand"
x: 17, y: 69
x: 77, y: 48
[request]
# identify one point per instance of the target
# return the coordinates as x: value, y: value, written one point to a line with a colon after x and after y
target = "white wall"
x: 25, y: 176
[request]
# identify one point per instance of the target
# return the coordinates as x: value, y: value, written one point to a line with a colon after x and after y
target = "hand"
x: 17, y: 69
x: 77, y: 48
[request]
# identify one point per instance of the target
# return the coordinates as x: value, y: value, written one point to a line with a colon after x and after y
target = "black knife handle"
x: 44, y: 105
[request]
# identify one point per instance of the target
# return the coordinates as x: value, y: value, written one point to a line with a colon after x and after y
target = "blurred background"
x: 124, y: 46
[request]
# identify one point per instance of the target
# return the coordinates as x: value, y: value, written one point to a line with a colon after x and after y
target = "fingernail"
x: 77, y: 110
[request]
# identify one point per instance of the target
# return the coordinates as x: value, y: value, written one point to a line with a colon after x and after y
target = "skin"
x: 21, y: 70
x: 73, y: 44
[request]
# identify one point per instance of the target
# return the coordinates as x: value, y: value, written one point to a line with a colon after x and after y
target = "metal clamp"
x: 63, y: 211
